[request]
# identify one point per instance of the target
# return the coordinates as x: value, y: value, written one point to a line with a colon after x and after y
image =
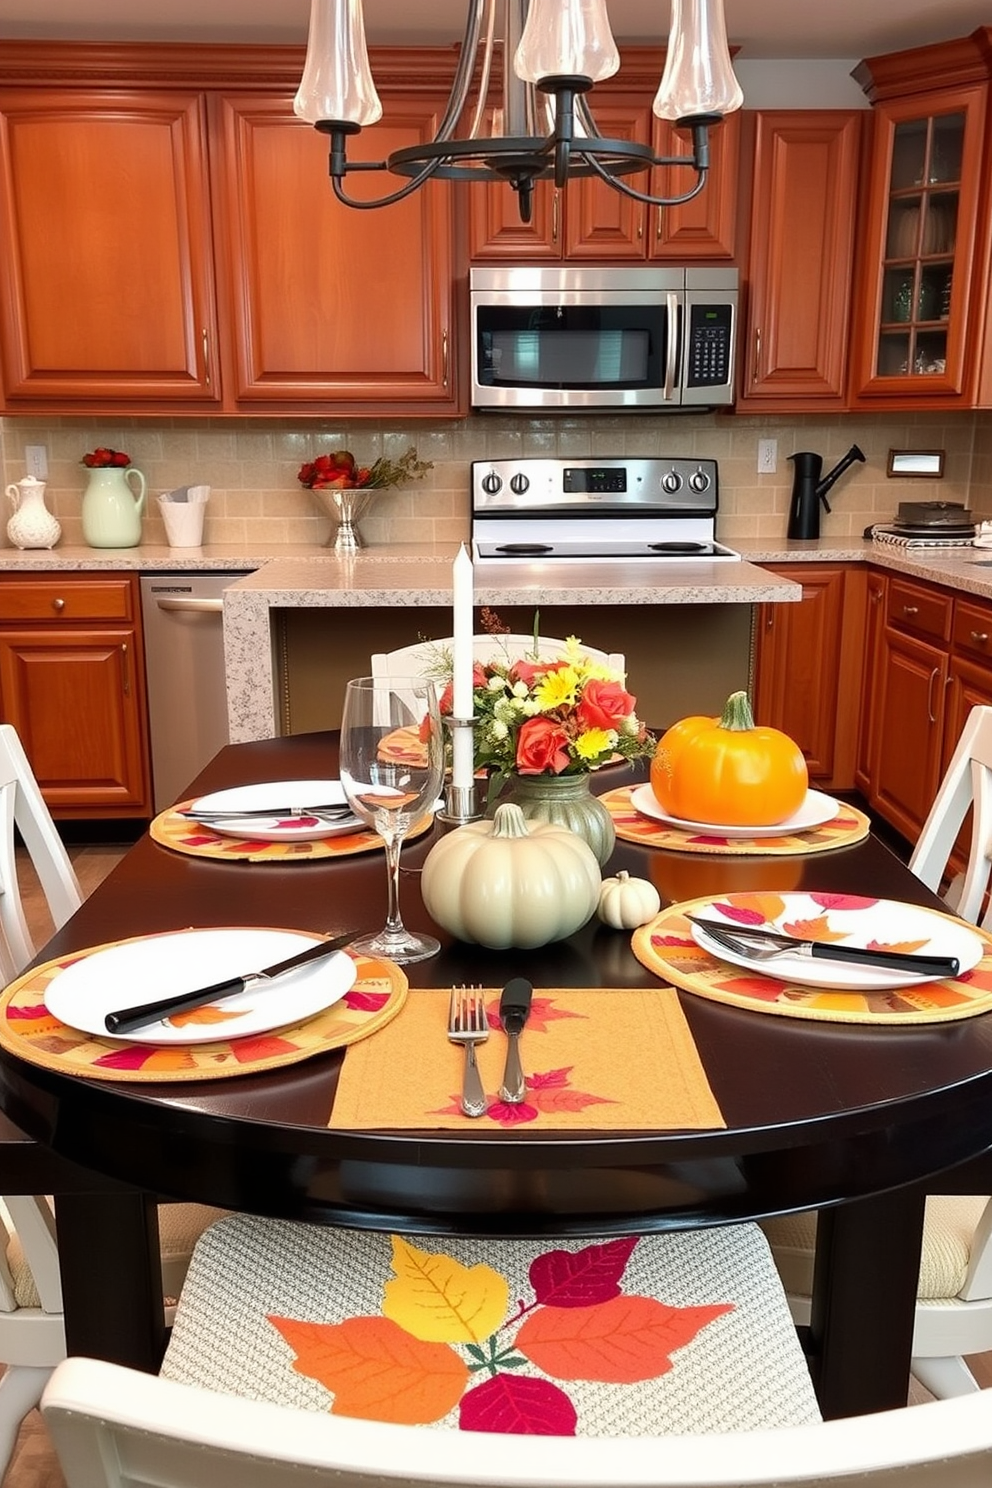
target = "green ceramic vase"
x: 567, y: 801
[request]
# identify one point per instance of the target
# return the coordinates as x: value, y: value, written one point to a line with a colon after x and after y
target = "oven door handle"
x: 672, y: 303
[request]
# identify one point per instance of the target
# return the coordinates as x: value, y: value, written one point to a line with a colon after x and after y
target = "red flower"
x: 531, y: 671
x: 542, y: 745
x: 604, y: 704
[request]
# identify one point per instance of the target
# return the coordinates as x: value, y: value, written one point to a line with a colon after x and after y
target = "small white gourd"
x: 625, y: 902
x: 510, y: 882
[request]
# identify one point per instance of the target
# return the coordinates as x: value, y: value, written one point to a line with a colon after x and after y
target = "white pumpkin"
x: 510, y: 882
x: 625, y: 902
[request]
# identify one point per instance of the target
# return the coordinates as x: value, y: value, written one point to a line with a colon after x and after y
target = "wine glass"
x: 390, y: 778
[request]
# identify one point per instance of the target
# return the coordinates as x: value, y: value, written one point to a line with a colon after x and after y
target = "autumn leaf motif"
x: 437, y: 1299
x: 767, y: 989
x: 751, y: 909
x: 902, y: 946
x: 842, y: 901
x: 543, y: 1010
x: 204, y: 1016
x: 518, y: 1405
x: 376, y: 1370
x: 364, y: 1002
x: 579, y: 1278
x: 816, y: 929
x: 621, y: 1342
x: 505, y: 1114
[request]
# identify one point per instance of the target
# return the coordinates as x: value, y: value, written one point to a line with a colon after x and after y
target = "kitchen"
x: 258, y: 512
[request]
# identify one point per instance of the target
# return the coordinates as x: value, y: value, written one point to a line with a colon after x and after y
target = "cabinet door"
x: 496, y: 233
x: 909, y: 704
x: 330, y: 302
x: 105, y: 241
x: 601, y: 222
x: 704, y: 229
x: 802, y: 241
x: 76, y: 698
x: 914, y: 337
x: 874, y: 635
x: 808, y: 668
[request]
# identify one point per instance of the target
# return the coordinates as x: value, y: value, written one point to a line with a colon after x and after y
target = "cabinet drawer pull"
x: 444, y: 359
x: 554, y: 217
x: 126, y: 669
x: 911, y: 609
x: 58, y: 604
x: 757, y: 354
x: 933, y: 677
x: 206, y: 356
x: 980, y: 637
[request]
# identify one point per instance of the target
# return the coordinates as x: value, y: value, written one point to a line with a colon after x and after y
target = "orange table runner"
x: 613, y: 1059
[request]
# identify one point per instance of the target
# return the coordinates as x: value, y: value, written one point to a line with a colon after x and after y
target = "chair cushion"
x: 637, y: 1336
x: 179, y: 1228
x: 947, y: 1236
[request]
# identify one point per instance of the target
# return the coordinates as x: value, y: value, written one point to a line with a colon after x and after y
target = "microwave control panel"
x: 710, y: 345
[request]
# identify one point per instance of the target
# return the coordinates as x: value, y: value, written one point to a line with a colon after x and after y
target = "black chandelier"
x: 554, y: 51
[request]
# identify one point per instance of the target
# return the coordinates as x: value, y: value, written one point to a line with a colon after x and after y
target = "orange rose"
x: 542, y: 745
x: 604, y: 704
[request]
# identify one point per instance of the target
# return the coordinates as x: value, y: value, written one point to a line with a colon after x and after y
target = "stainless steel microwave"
x: 588, y: 338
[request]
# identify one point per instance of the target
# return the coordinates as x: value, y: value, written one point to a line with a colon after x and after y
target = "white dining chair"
x: 954, y: 1299
x: 116, y: 1428
x: 422, y: 658
x: 32, y: 1334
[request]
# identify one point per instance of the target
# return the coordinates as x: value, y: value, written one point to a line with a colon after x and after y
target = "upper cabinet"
x: 106, y: 249
x: 174, y: 244
x: 592, y: 222
x: 799, y: 262
x: 923, y: 276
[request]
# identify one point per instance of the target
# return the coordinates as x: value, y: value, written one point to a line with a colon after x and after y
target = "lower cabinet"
x: 72, y: 682
x: 808, y: 667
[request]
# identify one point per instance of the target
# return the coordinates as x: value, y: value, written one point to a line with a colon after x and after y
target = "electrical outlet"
x: 767, y: 456
x: 36, y: 460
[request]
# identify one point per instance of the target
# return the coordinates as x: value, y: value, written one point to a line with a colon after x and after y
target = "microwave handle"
x: 673, y: 305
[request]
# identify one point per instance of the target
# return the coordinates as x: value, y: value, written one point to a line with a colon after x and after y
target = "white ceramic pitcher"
x: 32, y: 524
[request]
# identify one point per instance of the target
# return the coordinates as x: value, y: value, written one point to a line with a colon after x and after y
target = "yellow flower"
x: 557, y: 689
x: 593, y: 743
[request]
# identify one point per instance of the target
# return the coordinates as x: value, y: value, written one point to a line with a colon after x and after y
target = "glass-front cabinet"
x: 913, y: 333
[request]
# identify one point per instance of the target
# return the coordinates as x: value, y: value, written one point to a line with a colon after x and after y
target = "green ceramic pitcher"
x: 113, y: 503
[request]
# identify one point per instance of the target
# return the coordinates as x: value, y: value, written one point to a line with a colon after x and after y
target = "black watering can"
x: 809, y: 490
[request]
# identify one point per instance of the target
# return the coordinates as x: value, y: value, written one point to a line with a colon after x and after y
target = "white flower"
x: 499, y: 729
x: 496, y: 683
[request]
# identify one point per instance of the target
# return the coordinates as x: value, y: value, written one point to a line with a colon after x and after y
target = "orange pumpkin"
x: 729, y: 771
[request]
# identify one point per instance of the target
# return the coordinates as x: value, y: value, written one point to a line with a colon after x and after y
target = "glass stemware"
x: 392, y: 767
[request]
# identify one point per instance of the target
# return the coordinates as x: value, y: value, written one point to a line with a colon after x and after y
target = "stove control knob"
x: 671, y: 482
x: 491, y: 483
x: 699, y: 480
x: 519, y: 484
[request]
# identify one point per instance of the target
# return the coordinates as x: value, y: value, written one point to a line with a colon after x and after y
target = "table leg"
x: 864, y: 1301
x: 111, y: 1277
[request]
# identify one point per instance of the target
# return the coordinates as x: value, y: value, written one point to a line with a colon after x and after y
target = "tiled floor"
x: 34, y: 1464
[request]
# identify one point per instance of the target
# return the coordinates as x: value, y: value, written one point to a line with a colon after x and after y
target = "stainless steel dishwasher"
x: 184, y: 660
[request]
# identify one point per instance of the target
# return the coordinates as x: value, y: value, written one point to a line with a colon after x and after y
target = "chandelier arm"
x: 463, y: 72
x: 382, y: 201
x: 643, y: 196
x: 486, y: 71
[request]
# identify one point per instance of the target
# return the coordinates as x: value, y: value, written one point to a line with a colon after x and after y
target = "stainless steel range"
x: 599, y: 510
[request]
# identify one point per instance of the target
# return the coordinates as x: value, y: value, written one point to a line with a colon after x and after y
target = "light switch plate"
x: 767, y: 456
x: 36, y: 460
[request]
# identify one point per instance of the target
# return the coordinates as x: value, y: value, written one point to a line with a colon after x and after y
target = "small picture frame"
x: 915, y: 464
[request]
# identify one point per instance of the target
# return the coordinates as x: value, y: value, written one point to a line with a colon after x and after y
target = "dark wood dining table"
x: 857, y: 1121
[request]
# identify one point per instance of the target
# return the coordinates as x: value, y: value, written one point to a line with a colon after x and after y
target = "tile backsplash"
x: 251, y: 466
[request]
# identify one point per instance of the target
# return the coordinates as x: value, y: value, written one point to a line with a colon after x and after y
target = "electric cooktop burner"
x: 602, y: 511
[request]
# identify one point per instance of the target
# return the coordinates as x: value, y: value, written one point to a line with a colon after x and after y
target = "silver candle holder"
x: 461, y: 802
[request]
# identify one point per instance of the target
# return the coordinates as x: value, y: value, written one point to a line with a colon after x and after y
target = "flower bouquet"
x: 344, y: 488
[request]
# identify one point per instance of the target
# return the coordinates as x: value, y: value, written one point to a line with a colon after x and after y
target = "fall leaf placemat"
x: 667, y: 948
x: 29, y: 1030
x: 849, y: 825
x: 183, y: 836
x: 612, y: 1059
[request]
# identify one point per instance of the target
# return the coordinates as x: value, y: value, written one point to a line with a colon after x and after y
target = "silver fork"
x: 468, y: 1025
x: 322, y: 813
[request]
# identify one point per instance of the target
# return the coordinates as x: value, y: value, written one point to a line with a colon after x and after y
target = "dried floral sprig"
x: 340, y: 471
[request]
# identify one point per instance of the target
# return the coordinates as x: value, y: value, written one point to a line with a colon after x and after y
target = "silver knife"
x: 126, y: 1020
x: 514, y: 1010
x: 771, y: 940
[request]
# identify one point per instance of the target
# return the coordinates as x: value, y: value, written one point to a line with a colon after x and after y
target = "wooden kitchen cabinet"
x: 327, y: 302
x: 923, y: 274
x: 800, y: 259
x: 72, y: 682
x: 808, y: 667
x: 876, y: 586
x: 106, y: 248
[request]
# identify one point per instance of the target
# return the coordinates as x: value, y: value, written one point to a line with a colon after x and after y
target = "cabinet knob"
x: 980, y: 637
x: 58, y: 604
x: 911, y: 609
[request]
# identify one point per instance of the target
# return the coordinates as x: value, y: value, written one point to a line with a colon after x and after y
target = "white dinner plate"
x: 815, y: 810
x: 885, y: 924
x: 139, y: 971
x: 276, y: 828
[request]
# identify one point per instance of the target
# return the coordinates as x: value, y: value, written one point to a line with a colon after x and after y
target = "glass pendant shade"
x: 566, y: 38
x: 699, y: 77
x: 337, y: 80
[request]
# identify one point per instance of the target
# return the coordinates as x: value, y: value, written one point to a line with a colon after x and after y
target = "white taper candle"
x: 462, y: 764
